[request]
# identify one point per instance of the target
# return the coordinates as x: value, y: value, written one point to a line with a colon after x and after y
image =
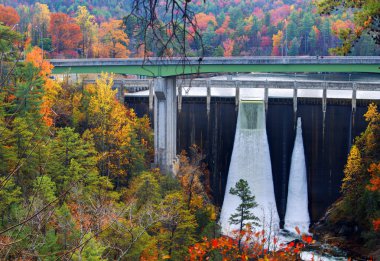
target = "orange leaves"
x: 51, y: 88
x: 253, y: 248
x: 112, y: 40
x: 277, y: 41
x: 225, y: 26
x: 317, y: 31
x: 297, y: 230
x: 65, y: 33
x: 374, y: 171
x: 340, y: 25
x: 376, y: 224
x: 8, y: 15
x: 204, y: 20
x: 36, y: 58
x: 228, y: 46
x: 307, y: 239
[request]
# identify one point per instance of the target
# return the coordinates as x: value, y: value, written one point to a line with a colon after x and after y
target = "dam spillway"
x: 297, y: 204
x: 250, y: 161
x: 325, y: 155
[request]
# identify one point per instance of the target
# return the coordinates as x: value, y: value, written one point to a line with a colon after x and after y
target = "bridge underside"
x: 173, y: 70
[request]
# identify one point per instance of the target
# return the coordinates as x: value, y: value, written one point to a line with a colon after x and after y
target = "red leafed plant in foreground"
x: 257, y: 246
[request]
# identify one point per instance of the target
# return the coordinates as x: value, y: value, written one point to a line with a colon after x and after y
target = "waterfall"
x: 297, y: 212
x: 250, y: 161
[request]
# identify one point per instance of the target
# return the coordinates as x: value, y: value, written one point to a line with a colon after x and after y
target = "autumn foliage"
x: 361, y: 182
x: 97, y: 31
x: 8, y: 15
x: 65, y: 33
x: 51, y: 87
x: 255, y: 247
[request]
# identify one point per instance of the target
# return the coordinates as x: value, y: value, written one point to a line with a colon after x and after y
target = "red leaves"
x: 307, y: 239
x: 254, y: 246
x: 376, y: 224
x: 214, y: 243
x: 374, y: 171
x: 8, y: 15
x: 66, y: 34
x: 225, y: 26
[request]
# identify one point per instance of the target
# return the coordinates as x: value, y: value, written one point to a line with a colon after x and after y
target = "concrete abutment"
x: 165, y: 123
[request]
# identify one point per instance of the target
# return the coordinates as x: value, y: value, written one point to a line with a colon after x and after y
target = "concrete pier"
x: 165, y: 123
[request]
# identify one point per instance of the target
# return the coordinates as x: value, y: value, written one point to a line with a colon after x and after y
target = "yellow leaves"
x: 115, y: 130
x: 83, y: 18
x: 372, y: 114
x: 277, y: 38
x: 352, y: 168
x: 41, y: 17
x: 113, y: 41
x: 354, y: 161
x: 103, y: 101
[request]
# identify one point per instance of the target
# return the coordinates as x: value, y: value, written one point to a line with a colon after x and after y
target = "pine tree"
x: 243, y: 211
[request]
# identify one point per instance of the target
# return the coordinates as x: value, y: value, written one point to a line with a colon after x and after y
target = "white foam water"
x: 297, y: 212
x: 250, y: 161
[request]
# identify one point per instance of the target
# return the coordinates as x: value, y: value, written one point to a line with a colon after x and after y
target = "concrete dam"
x: 328, y: 129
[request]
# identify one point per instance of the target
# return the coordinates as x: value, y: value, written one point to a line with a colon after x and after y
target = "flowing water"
x: 251, y: 161
x: 297, y: 211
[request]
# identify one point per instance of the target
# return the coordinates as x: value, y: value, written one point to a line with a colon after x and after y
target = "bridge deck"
x: 276, y: 84
x: 177, y: 66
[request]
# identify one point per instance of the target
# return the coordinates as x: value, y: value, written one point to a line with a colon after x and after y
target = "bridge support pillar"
x: 208, y: 98
x: 150, y: 96
x: 354, y: 88
x: 295, y: 97
x: 165, y: 123
x: 266, y: 97
x: 237, y: 95
x: 120, y: 93
x: 324, y: 99
x: 179, y: 99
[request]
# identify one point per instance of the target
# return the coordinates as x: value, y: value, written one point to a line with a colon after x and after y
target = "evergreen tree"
x: 243, y: 213
x: 176, y: 228
x: 294, y: 47
x: 71, y: 158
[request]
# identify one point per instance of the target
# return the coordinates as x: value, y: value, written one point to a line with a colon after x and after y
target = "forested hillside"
x: 75, y: 176
x: 229, y: 28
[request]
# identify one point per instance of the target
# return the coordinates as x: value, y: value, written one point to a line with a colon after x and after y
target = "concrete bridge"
x: 162, y: 67
x: 163, y: 88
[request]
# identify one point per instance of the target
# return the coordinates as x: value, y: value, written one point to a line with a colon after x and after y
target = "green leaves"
x: 366, y: 16
x: 243, y: 213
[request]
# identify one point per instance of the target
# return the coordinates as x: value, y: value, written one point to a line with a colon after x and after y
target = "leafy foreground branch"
x: 366, y: 20
x: 253, y: 247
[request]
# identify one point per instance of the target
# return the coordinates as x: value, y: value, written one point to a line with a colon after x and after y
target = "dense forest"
x: 76, y: 179
x: 75, y: 173
x: 229, y: 28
